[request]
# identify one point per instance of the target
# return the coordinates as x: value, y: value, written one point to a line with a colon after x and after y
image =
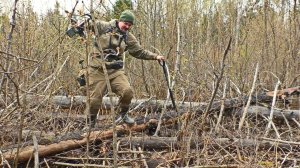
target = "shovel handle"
x: 162, y: 63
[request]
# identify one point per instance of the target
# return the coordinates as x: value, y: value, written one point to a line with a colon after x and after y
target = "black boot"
x: 91, y: 122
x: 123, y: 117
x: 93, y: 119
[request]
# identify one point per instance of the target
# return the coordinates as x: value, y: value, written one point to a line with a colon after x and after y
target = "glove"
x: 72, y: 31
x: 81, y: 80
x: 77, y: 25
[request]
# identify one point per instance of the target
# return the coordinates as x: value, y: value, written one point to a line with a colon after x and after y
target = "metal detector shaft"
x: 163, y: 64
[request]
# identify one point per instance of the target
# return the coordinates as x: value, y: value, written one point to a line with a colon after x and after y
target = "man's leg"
x: 121, y: 87
x: 97, y: 89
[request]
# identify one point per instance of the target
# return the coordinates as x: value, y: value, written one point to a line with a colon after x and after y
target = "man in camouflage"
x: 114, y: 38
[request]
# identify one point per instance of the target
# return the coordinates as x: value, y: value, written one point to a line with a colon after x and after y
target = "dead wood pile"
x: 193, y: 142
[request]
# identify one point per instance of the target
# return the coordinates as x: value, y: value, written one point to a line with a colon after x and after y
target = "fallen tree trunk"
x: 278, y: 113
x: 285, y: 92
x: 75, y: 101
x: 160, y: 143
x: 62, y: 146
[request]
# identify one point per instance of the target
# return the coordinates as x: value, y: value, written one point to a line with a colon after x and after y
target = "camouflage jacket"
x: 110, y: 37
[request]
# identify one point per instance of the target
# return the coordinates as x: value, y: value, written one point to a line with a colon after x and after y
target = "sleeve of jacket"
x: 135, y: 49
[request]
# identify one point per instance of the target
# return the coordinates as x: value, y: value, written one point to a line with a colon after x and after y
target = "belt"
x: 111, y: 65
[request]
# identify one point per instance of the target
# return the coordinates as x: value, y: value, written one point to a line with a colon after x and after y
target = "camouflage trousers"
x: 119, y: 85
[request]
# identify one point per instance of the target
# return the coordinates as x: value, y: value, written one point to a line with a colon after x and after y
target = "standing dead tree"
x: 219, y: 78
x: 6, y: 68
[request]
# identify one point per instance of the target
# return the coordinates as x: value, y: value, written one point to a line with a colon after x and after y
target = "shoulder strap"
x: 112, y: 30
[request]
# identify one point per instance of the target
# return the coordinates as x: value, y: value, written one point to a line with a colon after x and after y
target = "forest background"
x: 195, y: 31
x: 37, y: 58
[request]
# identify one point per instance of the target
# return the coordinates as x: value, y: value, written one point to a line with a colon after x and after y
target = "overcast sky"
x: 41, y: 6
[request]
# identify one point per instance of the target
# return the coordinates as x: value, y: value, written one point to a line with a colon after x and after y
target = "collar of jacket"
x: 114, y: 24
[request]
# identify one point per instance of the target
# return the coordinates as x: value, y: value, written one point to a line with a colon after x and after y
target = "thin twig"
x: 298, y: 124
x: 36, y: 151
x: 143, y: 158
x: 46, y: 163
x: 56, y: 74
x: 3, y: 160
x: 21, y: 123
x: 274, y: 127
x: 17, y: 57
x: 222, y: 107
x: 249, y: 99
x: 287, y: 123
x: 272, y: 109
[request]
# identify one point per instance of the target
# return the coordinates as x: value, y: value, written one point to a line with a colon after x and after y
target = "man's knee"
x: 95, y: 103
x: 127, y: 95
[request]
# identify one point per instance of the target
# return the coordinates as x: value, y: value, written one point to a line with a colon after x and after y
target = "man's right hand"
x: 160, y: 58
